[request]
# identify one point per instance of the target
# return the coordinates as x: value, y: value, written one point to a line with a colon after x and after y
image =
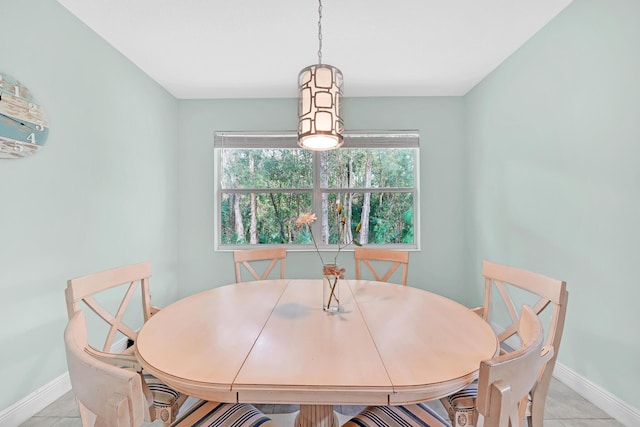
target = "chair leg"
x: 87, y: 418
x: 461, y: 412
x: 536, y: 417
x: 166, y: 414
x: 535, y: 413
x: 463, y: 418
x: 165, y: 402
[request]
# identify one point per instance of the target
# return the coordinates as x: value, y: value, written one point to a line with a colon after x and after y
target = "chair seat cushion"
x: 465, y: 398
x: 417, y: 415
x: 163, y: 395
x: 166, y: 400
x: 461, y: 405
x: 208, y: 414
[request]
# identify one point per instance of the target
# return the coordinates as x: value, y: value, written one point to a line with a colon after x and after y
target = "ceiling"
x: 255, y: 48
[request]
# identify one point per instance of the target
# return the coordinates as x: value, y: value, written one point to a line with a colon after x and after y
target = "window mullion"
x: 317, y: 200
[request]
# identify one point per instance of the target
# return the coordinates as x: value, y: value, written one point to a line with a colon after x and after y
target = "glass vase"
x: 331, y: 288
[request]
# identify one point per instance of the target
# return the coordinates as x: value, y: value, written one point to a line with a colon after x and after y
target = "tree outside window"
x: 265, y: 182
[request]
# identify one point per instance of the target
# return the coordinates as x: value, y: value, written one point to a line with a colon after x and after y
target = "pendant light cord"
x: 319, y: 31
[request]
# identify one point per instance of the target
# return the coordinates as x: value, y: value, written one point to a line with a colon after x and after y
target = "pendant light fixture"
x: 320, y: 126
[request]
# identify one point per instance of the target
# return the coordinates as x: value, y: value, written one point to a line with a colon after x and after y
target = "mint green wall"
x: 101, y: 193
x: 439, y: 266
x: 554, y: 143
x: 536, y: 167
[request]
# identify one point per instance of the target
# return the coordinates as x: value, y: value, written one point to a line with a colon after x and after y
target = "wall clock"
x: 23, y: 123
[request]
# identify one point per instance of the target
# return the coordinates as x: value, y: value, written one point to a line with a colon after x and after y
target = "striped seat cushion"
x: 215, y: 414
x: 417, y: 415
x: 461, y: 405
x: 163, y: 395
x: 465, y: 398
x: 166, y: 400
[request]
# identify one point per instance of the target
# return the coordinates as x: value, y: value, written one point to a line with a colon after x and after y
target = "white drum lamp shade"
x: 320, y: 126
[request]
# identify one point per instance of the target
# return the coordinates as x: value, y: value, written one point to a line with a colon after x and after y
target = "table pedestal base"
x: 316, y: 416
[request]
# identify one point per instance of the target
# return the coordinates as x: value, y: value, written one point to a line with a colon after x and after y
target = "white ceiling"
x: 255, y: 48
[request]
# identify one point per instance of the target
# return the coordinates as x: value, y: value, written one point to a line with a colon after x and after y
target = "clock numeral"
x: 16, y: 90
x: 34, y: 109
x: 40, y: 127
x: 32, y: 138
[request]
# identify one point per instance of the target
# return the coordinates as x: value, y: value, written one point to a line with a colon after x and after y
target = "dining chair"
x: 503, y: 385
x: 381, y: 259
x: 251, y: 258
x: 548, y: 297
x: 106, y: 297
x: 109, y: 396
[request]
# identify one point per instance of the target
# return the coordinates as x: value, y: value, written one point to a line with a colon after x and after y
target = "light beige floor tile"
x: 37, y: 421
x: 583, y: 422
x: 564, y: 403
x: 277, y: 409
x: 349, y: 410
x: 284, y: 420
x: 65, y: 406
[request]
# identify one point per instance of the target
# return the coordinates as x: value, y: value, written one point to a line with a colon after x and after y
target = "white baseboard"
x: 27, y: 407
x: 616, y: 408
x: 612, y: 405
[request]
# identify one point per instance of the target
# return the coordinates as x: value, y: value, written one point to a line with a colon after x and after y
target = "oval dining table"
x: 271, y: 342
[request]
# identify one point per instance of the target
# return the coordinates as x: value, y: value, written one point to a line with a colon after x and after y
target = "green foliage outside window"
x: 264, y: 190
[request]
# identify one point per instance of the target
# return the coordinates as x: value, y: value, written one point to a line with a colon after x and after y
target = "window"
x: 264, y: 181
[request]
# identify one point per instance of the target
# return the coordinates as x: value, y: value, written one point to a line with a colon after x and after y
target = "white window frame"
x: 285, y: 139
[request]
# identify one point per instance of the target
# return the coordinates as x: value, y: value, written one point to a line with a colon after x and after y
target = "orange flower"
x: 306, y: 219
x: 333, y: 270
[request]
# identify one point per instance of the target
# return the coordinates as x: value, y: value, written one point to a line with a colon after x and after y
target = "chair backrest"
x: 107, y: 396
x: 108, y: 294
x: 504, y: 382
x: 381, y: 259
x: 547, y: 296
x: 251, y: 258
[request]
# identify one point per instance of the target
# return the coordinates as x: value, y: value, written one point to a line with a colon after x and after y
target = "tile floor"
x: 565, y: 408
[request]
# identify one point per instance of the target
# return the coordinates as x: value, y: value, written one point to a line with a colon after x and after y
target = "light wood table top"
x: 271, y: 342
